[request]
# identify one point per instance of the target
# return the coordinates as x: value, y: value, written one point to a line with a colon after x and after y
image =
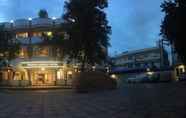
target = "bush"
x: 93, y: 81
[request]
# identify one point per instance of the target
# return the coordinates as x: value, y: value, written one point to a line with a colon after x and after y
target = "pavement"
x: 165, y: 100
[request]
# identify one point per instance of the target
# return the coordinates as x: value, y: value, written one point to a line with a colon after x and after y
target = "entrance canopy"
x: 41, y: 64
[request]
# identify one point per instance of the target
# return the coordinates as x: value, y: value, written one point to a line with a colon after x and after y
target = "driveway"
x: 130, y: 101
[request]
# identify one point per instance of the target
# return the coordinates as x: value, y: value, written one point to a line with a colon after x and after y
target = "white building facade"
x: 154, y: 57
x: 39, y: 62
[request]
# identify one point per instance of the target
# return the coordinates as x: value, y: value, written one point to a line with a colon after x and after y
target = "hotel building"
x: 38, y: 62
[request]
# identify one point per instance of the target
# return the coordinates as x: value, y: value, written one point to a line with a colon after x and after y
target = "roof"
x: 25, y: 24
x: 136, y: 51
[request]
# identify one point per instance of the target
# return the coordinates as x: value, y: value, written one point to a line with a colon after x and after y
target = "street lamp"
x: 29, y: 47
x: 29, y: 19
x: 12, y: 22
x: 30, y: 24
x: 53, y: 21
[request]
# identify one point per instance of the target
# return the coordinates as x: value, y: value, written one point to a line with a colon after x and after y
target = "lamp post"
x: 30, y: 26
x: 53, y: 21
x: 12, y: 24
x: 29, y: 47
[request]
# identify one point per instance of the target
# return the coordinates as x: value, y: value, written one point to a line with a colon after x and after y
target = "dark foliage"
x: 88, y: 30
x: 173, y: 27
x: 43, y: 13
x: 9, y: 47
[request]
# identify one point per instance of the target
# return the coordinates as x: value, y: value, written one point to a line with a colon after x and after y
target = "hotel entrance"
x: 41, y: 77
x: 46, y: 73
x: 41, y: 73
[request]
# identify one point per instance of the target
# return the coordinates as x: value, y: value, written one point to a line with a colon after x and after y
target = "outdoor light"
x: 69, y: 72
x: 58, y: 75
x: 53, y: 18
x: 29, y: 19
x: 12, y: 21
x: 43, y: 69
x: 49, y: 33
x: 93, y: 68
x: 73, y: 20
x: 107, y: 69
x: 182, y: 67
x: 150, y: 73
x: 113, y: 76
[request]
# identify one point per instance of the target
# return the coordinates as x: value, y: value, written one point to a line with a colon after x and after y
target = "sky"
x: 135, y: 23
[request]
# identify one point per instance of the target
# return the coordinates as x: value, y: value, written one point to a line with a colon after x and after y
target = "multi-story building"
x: 39, y: 62
x: 155, y: 57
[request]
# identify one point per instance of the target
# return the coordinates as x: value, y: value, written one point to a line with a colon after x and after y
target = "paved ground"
x: 130, y: 101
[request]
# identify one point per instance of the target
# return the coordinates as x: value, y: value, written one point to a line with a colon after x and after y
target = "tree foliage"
x: 43, y: 13
x: 173, y: 27
x: 9, y: 47
x: 88, y: 30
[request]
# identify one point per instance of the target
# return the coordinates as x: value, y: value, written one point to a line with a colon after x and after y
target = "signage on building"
x: 51, y: 64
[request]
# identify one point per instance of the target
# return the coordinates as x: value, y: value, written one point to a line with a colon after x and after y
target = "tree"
x: 173, y: 27
x: 9, y: 47
x: 88, y: 30
x: 43, y: 13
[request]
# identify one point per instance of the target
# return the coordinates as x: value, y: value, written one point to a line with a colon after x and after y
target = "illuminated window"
x: 49, y: 34
x: 37, y: 34
x: 41, y: 51
x: 22, y: 35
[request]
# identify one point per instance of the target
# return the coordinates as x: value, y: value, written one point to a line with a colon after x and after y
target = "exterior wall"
x: 149, y: 57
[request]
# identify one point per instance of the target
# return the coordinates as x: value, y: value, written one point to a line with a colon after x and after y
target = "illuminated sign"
x: 42, y: 64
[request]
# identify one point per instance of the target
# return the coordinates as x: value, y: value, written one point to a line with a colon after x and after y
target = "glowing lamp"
x: 29, y: 19
x: 113, y: 76
x: 69, y: 72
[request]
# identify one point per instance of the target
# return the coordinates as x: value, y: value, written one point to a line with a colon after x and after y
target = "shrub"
x: 93, y: 81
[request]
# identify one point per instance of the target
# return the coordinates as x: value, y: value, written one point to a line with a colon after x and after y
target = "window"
x: 41, y: 51
x: 130, y: 57
x: 22, y: 35
x: 37, y: 34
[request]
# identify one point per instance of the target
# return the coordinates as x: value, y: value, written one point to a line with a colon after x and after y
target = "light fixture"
x: 53, y: 18
x: 49, y: 33
x: 12, y: 21
x: 43, y: 69
x: 29, y: 19
x: 182, y: 67
x: 69, y: 72
x: 150, y: 73
x: 93, y: 68
x: 113, y: 76
x: 58, y: 75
